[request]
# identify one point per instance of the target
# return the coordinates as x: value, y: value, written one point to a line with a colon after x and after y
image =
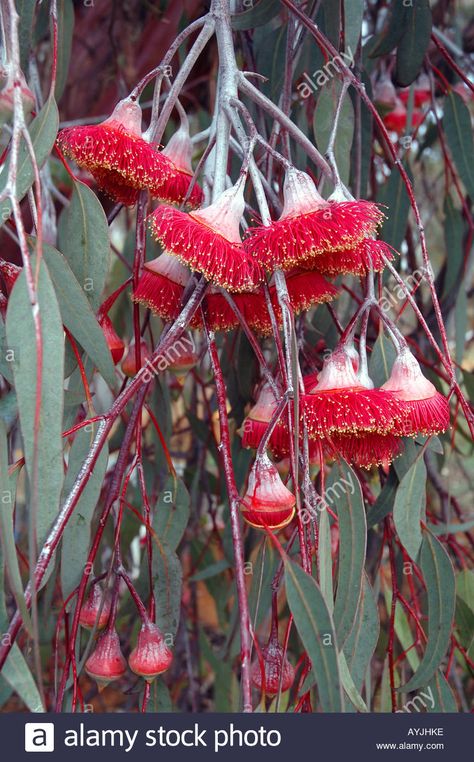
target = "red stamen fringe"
x: 199, y: 247
x: 109, y: 147
x: 351, y: 411
x: 288, y: 242
x: 368, y: 254
x: 428, y: 417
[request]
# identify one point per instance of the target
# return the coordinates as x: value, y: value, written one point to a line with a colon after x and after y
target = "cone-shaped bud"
x: 106, y: 662
x: 151, y: 656
x: 114, y: 342
x: 89, y: 615
x: 276, y: 668
x: 267, y: 504
x: 129, y: 363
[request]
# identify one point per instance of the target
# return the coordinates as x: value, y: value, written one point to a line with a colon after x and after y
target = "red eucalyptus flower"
x: 106, y: 662
x: 340, y: 403
x: 276, y: 668
x: 364, y: 450
x: 89, y: 614
x: 179, y: 151
x: 208, y: 240
x: 427, y: 411
x: 162, y: 285
x: 367, y: 255
x: 309, y: 225
x: 9, y: 272
x: 151, y: 656
x: 267, y: 504
x: 117, y: 155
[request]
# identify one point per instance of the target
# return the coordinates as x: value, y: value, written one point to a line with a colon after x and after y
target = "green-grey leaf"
x: 15, y: 670
x: 409, y: 507
x: 76, y: 538
x: 83, y: 238
x: 262, y: 12
x: 362, y: 640
x: 323, y: 124
x: 438, y: 574
x: 7, y: 533
x: 172, y: 512
x: 316, y: 630
x: 167, y: 576
x: 394, y: 195
x: 352, y: 547
x: 43, y: 131
x: 414, y: 42
x: 48, y: 445
x: 65, y: 31
x: 382, y: 359
x: 458, y: 129
x: 353, y: 17
x: 77, y: 314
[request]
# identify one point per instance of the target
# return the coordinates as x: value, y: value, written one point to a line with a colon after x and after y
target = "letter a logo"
x: 39, y: 736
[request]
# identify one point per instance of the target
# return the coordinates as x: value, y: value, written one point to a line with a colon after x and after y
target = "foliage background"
x: 105, y: 48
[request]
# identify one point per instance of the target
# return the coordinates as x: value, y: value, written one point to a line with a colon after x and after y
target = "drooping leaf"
x: 349, y: 687
x: 172, y: 512
x: 325, y: 560
x: 384, y: 502
x: 76, y: 537
x: 414, y: 42
x: 7, y: 532
x: 65, y: 9
x: 352, y: 547
x: 258, y: 14
x: 394, y: 195
x: 83, y: 238
x: 353, y: 18
x: 167, y: 583
x: 323, y: 123
x: 362, y: 640
x: 442, y: 700
x: 438, y: 574
x: 409, y: 508
x: 26, y: 12
x: 43, y: 131
x: 391, y: 34
x: 458, y: 129
x: 15, y: 670
x: 47, y: 442
x: 453, y: 236
x: 77, y: 314
x: 382, y: 359
x: 315, y: 628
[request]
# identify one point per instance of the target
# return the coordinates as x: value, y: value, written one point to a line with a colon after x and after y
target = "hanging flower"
x: 151, y: 656
x: 208, y: 240
x: 161, y: 286
x: 341, y: 403
x: 309, y: 225
x: 427, y: 411
x: 115, y: 152
x: 179, y: 151
x: 267, y: 504
x: 9, y: 272
x: 359, y: 260
x: 277, y: 670
x: 306, y: 288
x: 106, y: 662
